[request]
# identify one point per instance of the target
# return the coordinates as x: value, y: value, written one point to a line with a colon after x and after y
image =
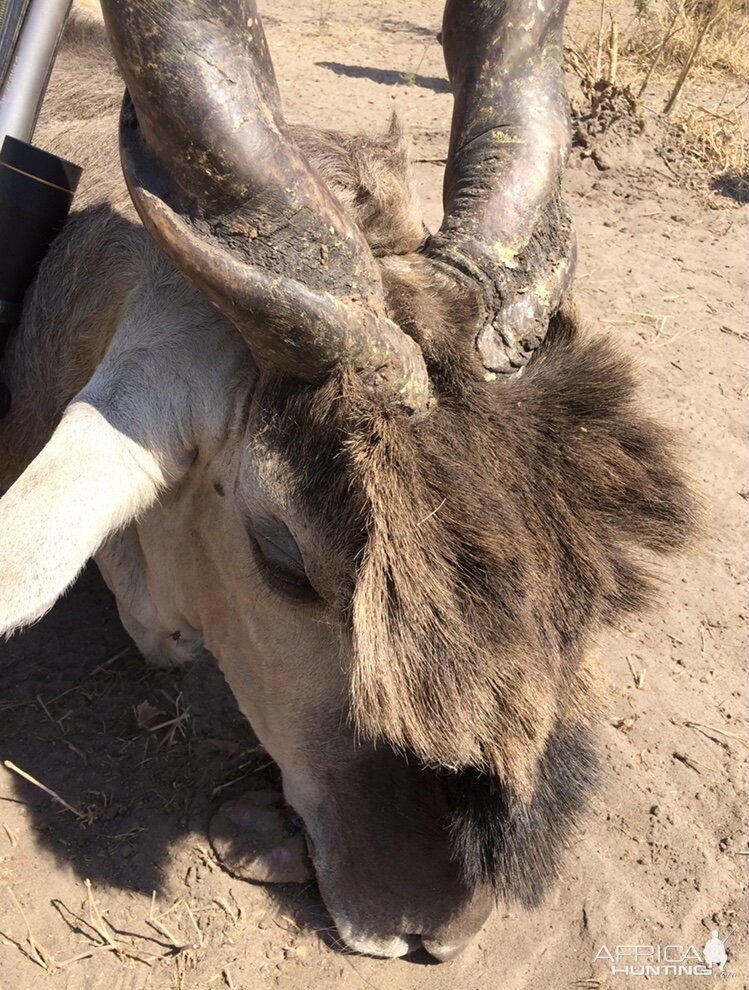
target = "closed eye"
x: 281, y: 562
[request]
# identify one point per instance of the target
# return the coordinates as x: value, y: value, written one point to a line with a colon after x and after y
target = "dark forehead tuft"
x: 513, y: 845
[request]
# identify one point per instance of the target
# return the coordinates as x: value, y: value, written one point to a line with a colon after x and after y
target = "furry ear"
x: 397, y: 137
x: 371, y: 178
x: 174, y: 375
x: 395, y: 224
x: 88, y: 481
x: 174, y: 379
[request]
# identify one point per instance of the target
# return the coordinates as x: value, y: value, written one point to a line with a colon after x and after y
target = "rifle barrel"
x: 22, y: 90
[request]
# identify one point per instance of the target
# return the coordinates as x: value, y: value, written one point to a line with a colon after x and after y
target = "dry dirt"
x: 144, y: 756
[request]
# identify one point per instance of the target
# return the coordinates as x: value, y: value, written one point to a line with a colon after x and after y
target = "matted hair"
x: 486, y: 546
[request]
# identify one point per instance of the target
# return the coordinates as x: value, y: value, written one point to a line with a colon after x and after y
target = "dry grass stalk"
x: 667, y: 36
x: 226, y: 909
x: 36, y: 951
x: 103, y: 936
x: 109, y: 940
x: 699, y: 37
x: 47, y: 790
x: 738, y: 737
x: 128, y: 650
x: 599, y: 49
x: 96, y: 921
x: 194, y: 923
x: 689, y: 761
x: 175, y: 725
x: 637, y: 675
x: 664, y: 36
x: 156, y: 921
x: 716, y: 143
x: 613, y: 50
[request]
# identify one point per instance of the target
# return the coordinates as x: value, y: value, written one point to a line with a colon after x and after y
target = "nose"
x: 442, y: 941
x: 384, y: 948
x: 403, y: 945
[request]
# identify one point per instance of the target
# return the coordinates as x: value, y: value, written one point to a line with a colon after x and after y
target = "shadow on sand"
x: 145, y: 756
x: 387, y: 77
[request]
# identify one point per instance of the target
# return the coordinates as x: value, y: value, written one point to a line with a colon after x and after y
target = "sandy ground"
x: 662, y: 860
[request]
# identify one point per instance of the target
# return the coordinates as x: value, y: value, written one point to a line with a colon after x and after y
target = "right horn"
x: 228, y: 196
x: 505, y: 225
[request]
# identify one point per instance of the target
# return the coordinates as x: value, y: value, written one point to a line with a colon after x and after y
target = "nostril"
x: 389, y: 948
x: 414, y: 942
x: 441, y: 951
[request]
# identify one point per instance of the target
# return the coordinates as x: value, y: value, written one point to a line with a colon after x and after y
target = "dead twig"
x: 668, y: 34
x: 37, y: 953
x: 691, y: 56
x: 740, y: 738
x: 693, y: 764
x: 613, y: 50
x: 47, y: 790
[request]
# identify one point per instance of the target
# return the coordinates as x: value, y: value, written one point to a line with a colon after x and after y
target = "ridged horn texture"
x: 227, y: 195
x: 505, y: 224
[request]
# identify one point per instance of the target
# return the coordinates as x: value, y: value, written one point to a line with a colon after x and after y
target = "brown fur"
x: 486, y: 547
x: 488, y: 544
x: 371, y: 177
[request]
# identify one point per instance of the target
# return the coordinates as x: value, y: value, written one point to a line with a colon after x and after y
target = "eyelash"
x: 299, y: 592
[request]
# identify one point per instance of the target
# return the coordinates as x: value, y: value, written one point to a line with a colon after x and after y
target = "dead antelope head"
x: 425, y: 492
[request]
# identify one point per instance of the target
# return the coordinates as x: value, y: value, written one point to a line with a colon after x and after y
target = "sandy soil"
x: 144, y: 756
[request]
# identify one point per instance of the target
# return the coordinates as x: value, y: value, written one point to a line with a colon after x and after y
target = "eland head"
x: 381, y: 475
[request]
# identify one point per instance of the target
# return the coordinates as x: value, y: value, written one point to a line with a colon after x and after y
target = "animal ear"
x: 88, y: 481
x: 398, y: 137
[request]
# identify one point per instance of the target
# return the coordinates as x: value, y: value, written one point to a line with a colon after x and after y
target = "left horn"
x: 505, y: 225
x: 224, y: 191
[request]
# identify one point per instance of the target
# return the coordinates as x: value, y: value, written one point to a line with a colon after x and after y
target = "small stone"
x: 655, y: 810
x: 602, y: 162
